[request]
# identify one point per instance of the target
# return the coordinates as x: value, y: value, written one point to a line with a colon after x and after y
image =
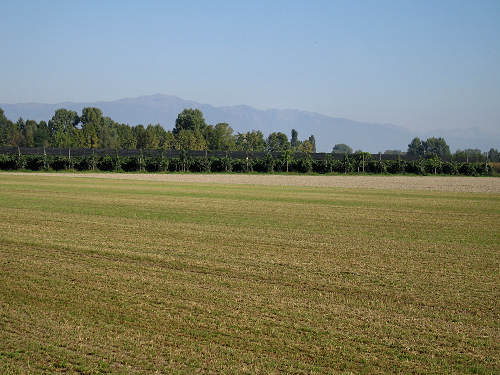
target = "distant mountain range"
x: 327, y: 130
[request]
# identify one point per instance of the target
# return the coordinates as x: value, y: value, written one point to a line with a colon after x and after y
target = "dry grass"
x: 429, y: 183
x: 131, y: 276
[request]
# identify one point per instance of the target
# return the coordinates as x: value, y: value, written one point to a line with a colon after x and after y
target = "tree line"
x: 93, y: 130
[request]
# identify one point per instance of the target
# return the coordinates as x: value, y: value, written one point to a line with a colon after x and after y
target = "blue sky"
x: 418, y: 64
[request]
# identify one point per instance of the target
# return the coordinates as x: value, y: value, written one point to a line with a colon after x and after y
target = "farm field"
x: 103, y: 274
x: 430, y: 183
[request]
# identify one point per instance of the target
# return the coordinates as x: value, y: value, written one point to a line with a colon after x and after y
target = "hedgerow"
x: 266, y: 164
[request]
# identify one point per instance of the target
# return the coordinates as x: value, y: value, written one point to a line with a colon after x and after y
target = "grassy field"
x: 129, y: 276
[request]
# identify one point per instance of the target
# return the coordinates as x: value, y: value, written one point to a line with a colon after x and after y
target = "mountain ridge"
x: 328, y: 130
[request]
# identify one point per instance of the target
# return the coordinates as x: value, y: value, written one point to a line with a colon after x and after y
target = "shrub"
x: 416, y: 167
x: 326, y: 165
x: 260, y: 165
x: 35, y: 162
x: 7, y: 162
x: 156, y: 164
x: 141, y: 162
x: 304, y: 165
x: 130, y: 164
x: 451, y: 167
x: 280, y: 165
x: 320, y: 166
x: 174, y: 165
x: 381, y: 166
x: 433, y: 165
x: 117, y: 163
x: 201, y: 165
x: 484, y: 169
x: 83, y: 163
x: 347, y: 165
x: 58, y: 162
x: 360, y: 161
x: 93, y: 161
x: 106, y: 163
x: 249, y: 164
x: 467, y: 169
x: 265, y: 164
x: 337, y: 166
x: 20, y: 161
x: 163, y: 164
x: 239, y: 165
x: 376, y: 166
x: 224, y: 164
x: 180, y: 164
x: 395, y: 166
x: 227, y: 163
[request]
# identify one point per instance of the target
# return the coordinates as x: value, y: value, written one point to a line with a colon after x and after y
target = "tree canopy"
x: 429, y: 147
x: 190, y: 119
x: 92, y: 129
x: 66, y: 129
x: 342, y: 148
x: 277, y: 142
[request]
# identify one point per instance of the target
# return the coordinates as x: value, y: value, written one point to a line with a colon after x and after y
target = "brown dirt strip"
x: 429, y: 183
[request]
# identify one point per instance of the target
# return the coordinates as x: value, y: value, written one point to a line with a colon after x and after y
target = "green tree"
x: 107, y: 134
x: 341, y: 148
x: 153, y: 135
x: 160, y: 133
x: 360, y: 159
x: 252, y: 141
x: 294, y: 140
x: 436, y: 146
x: 190, y: 140
x: 140, y: 136
x: 416, y: 148
x: 269, y: 162
x: 29, y: 130
x: 429, y: 147
x: 435, y: 163
x: 469, y: 155
x: 42, y: 135
x: 62, y: 128
x: 92, y: 123
x: 168, y: 141
x: 493, y: 155
x: 190, y: 119
x: 277, y: 142
x: 91, y: 115
x: 5, y: 123
x: 89, y: 138
x: 220, y: 137
x: 306, y: 147
x: 312, y: 141
x: 12, y: 133
x: 16, y: 133
x: 126, y: 137
x: 287, y: 158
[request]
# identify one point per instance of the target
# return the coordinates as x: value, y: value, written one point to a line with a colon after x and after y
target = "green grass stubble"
x: 101, y: 276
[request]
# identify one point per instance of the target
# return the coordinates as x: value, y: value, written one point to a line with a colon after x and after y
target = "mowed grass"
x: 117, y: 276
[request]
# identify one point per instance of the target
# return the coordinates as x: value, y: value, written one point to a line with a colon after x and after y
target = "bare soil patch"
x: 430, y: 183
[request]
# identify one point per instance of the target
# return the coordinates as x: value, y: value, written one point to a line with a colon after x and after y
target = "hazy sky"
x: 419, y: 64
